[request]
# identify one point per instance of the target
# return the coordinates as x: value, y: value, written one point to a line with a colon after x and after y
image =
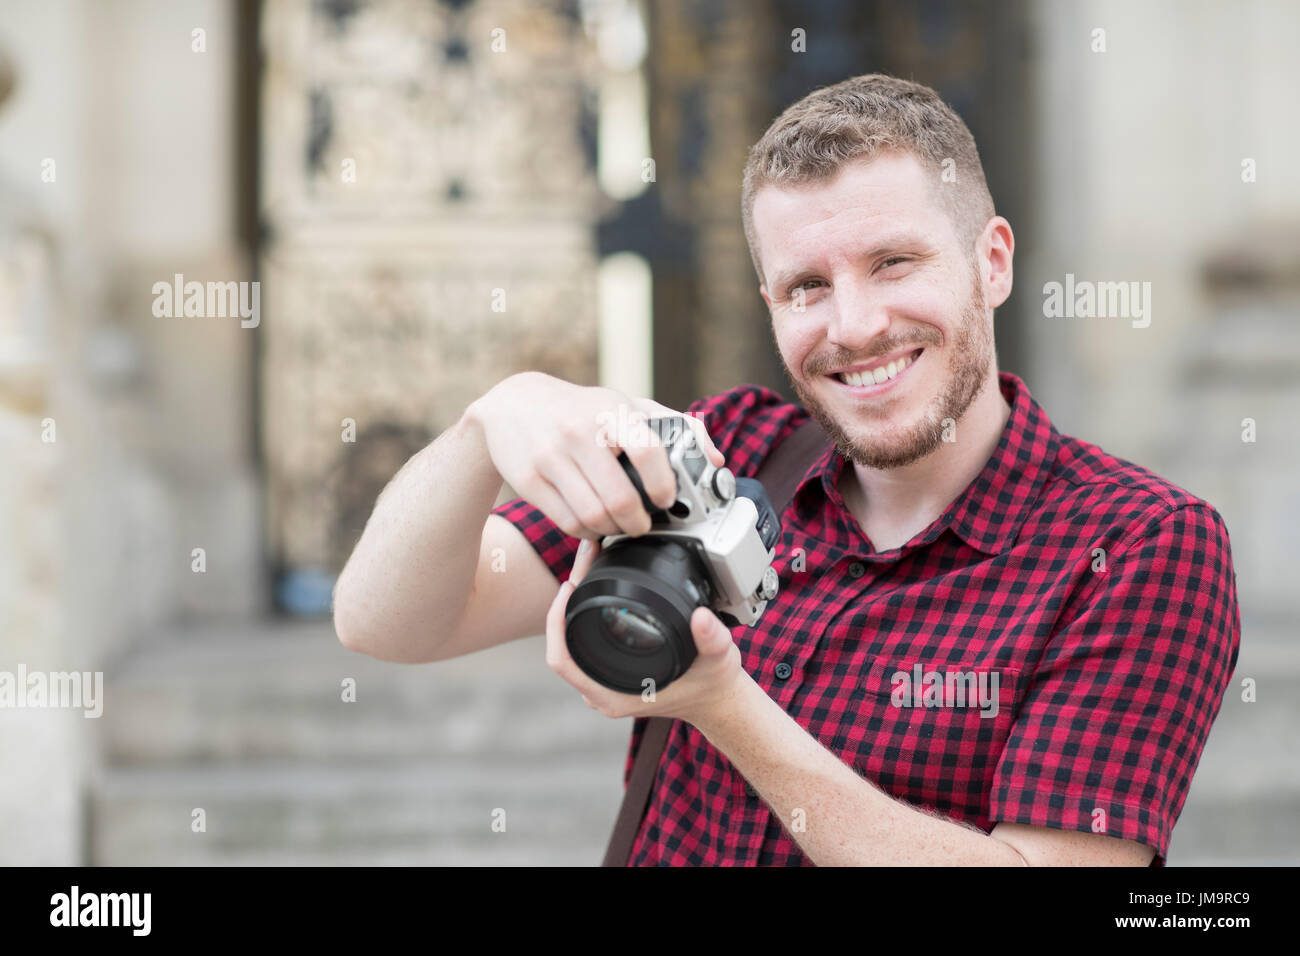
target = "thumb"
x: 711, y: 635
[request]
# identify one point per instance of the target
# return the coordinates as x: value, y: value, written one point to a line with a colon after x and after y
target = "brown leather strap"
x: 780, y: 474
x: 783, y: 468
x: 654, y: 739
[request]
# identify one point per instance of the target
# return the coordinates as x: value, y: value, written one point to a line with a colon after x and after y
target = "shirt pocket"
x: 932, y: 733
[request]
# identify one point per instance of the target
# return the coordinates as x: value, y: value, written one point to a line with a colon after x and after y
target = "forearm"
x: 416, y: 559
x: 837, y: 817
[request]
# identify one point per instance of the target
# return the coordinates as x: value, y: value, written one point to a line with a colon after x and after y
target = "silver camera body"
x: 727, y: 521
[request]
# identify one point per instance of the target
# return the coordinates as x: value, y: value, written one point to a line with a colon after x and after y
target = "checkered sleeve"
x: 1115, y: 717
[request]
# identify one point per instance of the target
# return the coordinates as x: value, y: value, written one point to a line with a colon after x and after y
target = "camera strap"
x: 780, y: 474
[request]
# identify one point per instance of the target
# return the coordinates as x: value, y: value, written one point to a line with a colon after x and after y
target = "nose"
x: 856, y: 316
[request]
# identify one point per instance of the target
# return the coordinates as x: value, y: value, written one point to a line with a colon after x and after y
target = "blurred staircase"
x: 249, y: 723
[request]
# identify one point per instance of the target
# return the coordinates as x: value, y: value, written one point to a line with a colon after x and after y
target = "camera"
x: 629, y: 618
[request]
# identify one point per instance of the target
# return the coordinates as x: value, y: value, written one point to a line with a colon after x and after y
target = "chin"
x: 907, y: 440
x: 879, y: 436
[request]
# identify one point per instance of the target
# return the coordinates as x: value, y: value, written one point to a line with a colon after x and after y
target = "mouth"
x: 871, y: 380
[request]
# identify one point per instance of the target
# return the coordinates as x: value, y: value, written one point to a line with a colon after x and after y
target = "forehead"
x: 866, y: 201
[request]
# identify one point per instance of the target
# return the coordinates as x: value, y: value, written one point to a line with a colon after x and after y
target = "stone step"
x: 1262, y: 830
x: 277, y: 692
x: 557, y: 810
x: 440, y: 813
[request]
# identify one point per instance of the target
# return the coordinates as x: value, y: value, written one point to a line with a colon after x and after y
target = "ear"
x: 996, y: 248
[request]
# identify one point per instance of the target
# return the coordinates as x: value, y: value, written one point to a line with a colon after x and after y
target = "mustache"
x: 821, y: 364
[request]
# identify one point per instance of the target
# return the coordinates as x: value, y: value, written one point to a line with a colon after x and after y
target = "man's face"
x: 864, y: 272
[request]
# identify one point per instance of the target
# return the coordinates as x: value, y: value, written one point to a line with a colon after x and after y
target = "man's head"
x: 875, y: 241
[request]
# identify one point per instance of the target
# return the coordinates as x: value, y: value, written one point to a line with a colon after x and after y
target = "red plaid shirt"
x: 1100, y: 597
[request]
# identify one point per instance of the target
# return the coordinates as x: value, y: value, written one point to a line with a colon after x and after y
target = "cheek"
x: 926, y: 303
x: 938, y: 313
x: 796, y: 341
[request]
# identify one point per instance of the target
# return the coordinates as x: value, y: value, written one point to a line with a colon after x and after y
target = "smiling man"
x: 947, y: 531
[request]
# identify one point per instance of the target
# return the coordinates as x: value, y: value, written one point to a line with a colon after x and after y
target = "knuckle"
x: 544, y: 461
x: 626, y: 503
x: 552, y: 452
x: 642, y: 453
x: 592, y: 516
x: 662, y: 489
x: 572, y: 430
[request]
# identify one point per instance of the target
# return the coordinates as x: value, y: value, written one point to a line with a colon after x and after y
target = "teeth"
x: 875, y: 376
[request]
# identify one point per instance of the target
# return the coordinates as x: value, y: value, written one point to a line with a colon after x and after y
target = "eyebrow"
x: 889, y: 243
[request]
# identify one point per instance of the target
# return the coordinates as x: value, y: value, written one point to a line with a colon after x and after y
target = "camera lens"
x: 630, y: 630
x: 629, y: 618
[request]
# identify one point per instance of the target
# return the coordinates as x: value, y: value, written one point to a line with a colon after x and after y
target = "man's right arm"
x: 419, y: 585
x: 423, y: 583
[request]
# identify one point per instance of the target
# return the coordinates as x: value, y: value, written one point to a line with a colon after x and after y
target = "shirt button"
x: 856, y: 570
x: 783, y: 671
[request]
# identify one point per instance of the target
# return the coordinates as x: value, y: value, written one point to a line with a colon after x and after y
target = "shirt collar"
x: 988, y: 514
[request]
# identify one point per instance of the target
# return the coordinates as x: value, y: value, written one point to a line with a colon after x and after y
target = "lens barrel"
x: 630, y: 617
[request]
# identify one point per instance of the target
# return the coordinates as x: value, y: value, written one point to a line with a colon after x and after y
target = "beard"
x: 968, y: 367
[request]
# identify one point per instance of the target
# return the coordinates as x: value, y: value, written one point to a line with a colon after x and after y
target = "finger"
x: 706, y: 442
x: 650, y: 460
x: 563, y: 473
x: 557, y: 651
x: 711, y: 635
x: 701, y: 433
x: 642, y: 446
x: 617, y: 493
x: 544, y: 496
x: 583, y: 560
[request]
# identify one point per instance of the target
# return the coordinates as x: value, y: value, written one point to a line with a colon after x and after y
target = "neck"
x: 893, y: 505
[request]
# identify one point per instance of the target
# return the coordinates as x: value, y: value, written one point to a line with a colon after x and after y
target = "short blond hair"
x: 858, y: 119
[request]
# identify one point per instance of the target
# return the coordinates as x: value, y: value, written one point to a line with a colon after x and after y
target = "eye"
x: 892, y: 261
x: 803, y: 284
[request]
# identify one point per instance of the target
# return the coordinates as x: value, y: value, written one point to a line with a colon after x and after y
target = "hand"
x: 709, y: 684
x: 557, y: 444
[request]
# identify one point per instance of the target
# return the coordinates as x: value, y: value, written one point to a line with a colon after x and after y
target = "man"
x: 949, y: 539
